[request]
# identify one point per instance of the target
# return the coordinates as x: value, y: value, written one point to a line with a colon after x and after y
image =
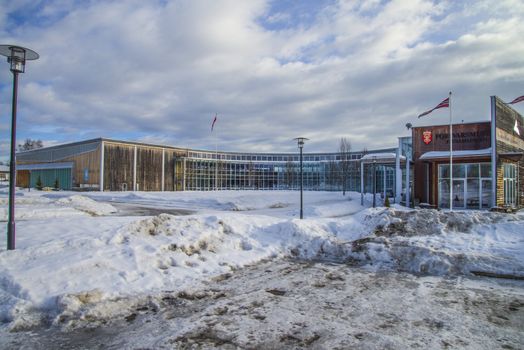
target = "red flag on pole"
x: 517, y: 100
x: 214, y: 121
x: 442, y: 104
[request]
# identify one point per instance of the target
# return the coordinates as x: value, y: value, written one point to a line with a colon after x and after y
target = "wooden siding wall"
x: 81, y: 162
x: 465, y: 137
x: 508, y: 141
x: 149, y: 169
x: 89, y: 161
x: 169, y: 170
x: 119, y: 162
x: 118, y: 166
x: 22, y: 178
x: 179, y: 173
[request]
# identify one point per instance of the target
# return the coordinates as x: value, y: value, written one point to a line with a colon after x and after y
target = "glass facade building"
x: 202, y: 171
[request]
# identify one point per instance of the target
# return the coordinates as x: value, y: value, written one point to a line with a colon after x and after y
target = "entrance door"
x: 473, y: 194
x: 485, y: 193
x: 459, y: 194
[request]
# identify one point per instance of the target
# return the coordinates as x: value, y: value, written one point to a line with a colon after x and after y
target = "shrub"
x: 57, y: 184
x: 39, y: 183
x: 386, y: 202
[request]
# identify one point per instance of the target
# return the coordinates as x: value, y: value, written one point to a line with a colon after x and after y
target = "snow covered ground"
x: 79, y: 263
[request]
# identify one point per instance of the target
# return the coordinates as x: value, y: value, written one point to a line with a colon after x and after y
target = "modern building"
x: 488, y: 165
x: 112, y: 165
x: 4, y: 172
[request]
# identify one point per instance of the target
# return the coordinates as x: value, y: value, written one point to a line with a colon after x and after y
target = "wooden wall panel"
x: 89, y: 161
x: 149, y: 169
x: 169, y: 170
x: 118, y: 166
x: 508, y: 122
x: 22, y: 178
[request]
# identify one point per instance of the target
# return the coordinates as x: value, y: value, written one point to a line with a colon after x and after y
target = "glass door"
x: 485, y: 193
x: 473, y: 194
x: 459, y: 194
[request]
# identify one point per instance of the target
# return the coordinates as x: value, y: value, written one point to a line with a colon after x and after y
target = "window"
x: 471, y: 185
x: 510, y: 182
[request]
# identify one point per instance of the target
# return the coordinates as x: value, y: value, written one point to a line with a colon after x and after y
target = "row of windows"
x: 270, y: 158
x: 470, y: 171
x: 206, y: 175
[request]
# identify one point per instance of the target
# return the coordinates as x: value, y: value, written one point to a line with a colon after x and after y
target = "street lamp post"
x: 16, y: 56
x: 300, y: 141
x: 374, y: 181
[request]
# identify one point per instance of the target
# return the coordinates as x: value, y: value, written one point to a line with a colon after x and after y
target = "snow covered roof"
x: 4, y: 168
x: 381, y: 157
x: 457, y: 154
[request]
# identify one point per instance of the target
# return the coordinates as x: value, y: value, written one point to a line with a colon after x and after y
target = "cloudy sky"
x: 157, y: 71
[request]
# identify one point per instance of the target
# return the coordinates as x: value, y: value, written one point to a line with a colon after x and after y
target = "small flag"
x: 517, y: 100
x: 214, y: 121
x: 442, y: 104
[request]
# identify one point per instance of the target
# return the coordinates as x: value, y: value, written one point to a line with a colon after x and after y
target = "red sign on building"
x: 426, y: 137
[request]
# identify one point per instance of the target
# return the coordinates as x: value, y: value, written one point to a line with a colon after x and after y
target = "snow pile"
x: 123, y: 258
x: 444, y: 243
x: 38, y: 206
x: 221, y: 200
x: 35, y: 207
x: 86, y: 267
x: 87, y: 205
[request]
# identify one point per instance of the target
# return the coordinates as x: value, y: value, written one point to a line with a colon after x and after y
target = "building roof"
x: 97, y: 141
x: 62, y: 165
x: 486, y: 152
x: 381, y: 157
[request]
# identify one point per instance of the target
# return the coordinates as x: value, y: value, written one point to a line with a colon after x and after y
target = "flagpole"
x: 216, y: 159
x: 450, y: 156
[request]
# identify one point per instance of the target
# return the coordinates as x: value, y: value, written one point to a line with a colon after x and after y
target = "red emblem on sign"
x: 426, y: 137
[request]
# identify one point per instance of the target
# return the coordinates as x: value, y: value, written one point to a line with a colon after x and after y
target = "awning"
x: 41, y: 166
x: 381, y: 157
x: 477, y: 153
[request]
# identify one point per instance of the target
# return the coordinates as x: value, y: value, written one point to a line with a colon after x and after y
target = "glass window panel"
x: 472, y: 171
x: 459, y: 170
x: 443, y: 194
x: 443, y: 171
x: 485, y: 170
x: 473, y: 194
x: 486, y: 193
x: 458, y: 193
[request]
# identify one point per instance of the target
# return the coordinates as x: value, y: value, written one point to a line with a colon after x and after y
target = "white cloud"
x: 160, y: 70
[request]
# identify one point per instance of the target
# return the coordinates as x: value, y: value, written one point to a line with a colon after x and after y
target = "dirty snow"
x: 86, y: 266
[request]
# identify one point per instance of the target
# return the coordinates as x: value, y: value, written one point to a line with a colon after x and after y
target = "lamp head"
x: 300, y: 141
x: 16, y: 56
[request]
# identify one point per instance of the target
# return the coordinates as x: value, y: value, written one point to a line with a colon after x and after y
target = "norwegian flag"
x: 517, y: 100
x: 442, y: 104
x: 214, y: 121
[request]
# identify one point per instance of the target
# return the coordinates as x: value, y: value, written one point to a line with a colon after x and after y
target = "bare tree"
x: 30, y: 144
x: 289, y: 174
x: 344, y: 150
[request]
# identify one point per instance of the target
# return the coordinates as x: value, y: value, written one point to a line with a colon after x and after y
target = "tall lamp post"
x: 300, y: 141
x: 16, y: 56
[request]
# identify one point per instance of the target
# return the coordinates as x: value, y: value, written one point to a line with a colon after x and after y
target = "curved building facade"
x: 113, y: 165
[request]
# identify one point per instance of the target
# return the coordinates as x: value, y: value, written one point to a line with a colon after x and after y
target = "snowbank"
x: 39, y: 206
x: 86, y: 266
x: 87, y: 205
